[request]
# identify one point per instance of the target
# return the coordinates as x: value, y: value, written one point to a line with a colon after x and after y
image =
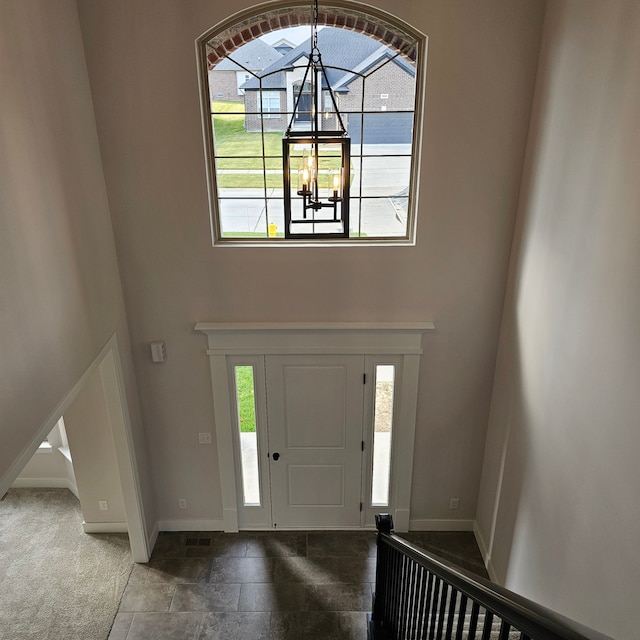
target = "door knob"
x: 276, y: 456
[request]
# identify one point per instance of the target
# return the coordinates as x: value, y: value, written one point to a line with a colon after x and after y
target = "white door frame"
x: 368, y: 339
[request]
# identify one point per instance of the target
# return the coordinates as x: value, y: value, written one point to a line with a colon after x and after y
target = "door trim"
x: 256, y: 339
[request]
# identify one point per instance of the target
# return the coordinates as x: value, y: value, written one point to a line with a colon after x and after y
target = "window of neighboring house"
x: 241, y: 78
x: 377, y: 85
x: 270, y: 104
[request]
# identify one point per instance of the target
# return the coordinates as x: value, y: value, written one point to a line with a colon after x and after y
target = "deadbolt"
x: 276, y: 456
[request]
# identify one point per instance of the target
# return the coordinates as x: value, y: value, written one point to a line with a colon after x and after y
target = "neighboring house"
x: 227, y: 77
x: 388, y: 86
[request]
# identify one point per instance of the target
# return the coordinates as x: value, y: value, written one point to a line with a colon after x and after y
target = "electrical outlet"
x: 104, y: 505
x: 182, y: 503
x: 454, y: 503
x: 204, y: 438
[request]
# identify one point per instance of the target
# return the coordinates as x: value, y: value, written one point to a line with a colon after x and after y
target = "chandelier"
x: 316, y: 156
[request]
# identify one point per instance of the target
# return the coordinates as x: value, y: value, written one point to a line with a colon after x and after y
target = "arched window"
x: 254, y: 87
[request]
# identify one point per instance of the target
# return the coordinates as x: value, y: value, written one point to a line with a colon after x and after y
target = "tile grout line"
x: 131, y: 625
x: 199, y: 629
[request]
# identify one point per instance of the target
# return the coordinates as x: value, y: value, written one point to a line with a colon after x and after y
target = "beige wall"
x: 93, y: 454
x: 60, y: 292
x: 46, y: 468
x: 482, y: 63
x: 558, y: 509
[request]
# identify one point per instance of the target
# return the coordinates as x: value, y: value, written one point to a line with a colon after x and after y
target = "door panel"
x: 314, y: 404
x: 316, y: 485
x: 315, y: 427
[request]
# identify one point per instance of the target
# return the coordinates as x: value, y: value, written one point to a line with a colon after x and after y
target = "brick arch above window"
x: 229, y: 37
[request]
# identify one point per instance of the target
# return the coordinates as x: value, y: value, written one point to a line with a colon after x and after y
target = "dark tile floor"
x: 264, y: 586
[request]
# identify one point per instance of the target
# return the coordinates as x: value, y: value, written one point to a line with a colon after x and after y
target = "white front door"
x: 315, y: 406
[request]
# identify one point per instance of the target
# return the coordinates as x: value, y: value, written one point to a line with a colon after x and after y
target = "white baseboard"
x: 105, y: 527
x: 441, y: 525
x: 484, y: 552
x: 190, y: 525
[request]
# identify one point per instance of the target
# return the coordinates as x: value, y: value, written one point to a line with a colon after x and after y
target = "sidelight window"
x: 247, y: 434
x: 382, y: 434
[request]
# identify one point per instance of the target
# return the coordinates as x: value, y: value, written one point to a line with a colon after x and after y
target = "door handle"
x: 276, y: 456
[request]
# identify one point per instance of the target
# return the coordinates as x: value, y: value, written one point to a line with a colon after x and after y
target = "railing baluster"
x: 423, y: 604
x: 473, y: 621
x: 404, y: 599
x: 462, y: 616
x: 388, y: 614
x: 403, y: 595
x: 442, y: 609
x: 406, y: 587
x: 427, y: 605
x: 382, y: 613
x: 413, y: 600
x: 397, y: 586
x: 488, y: 623
x: 411, y: 596
x: 434, y: 608
x: 452, y: 614
x: 397, y: 590
x: 381, y: 595
x: 505, y: 627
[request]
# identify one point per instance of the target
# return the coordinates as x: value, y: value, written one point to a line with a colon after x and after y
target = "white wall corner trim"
x: 153, y: 537
x: 484, y: 553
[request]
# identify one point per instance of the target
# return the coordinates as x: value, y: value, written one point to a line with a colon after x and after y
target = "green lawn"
x: 246, y: 398
x: 239, y: 150
x: 232, y: 141
x: 250, y: 234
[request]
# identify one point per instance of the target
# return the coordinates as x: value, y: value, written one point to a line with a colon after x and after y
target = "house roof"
x: 283, y: 46
x: 343, y: 53
x: 255, y: 56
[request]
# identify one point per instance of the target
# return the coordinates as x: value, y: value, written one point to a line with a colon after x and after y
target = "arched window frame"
x: 225, y: 37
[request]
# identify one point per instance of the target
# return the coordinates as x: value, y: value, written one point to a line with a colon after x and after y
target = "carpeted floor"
x: 57, y: 582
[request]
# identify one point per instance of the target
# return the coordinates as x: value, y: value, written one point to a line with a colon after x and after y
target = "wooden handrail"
x: 532, y: 619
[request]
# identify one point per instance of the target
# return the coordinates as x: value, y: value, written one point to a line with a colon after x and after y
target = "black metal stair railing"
x: 421, y: 597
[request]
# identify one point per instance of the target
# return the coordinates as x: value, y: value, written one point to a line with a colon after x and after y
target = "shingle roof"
x: 345, y: 50
x: 255, y: 56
